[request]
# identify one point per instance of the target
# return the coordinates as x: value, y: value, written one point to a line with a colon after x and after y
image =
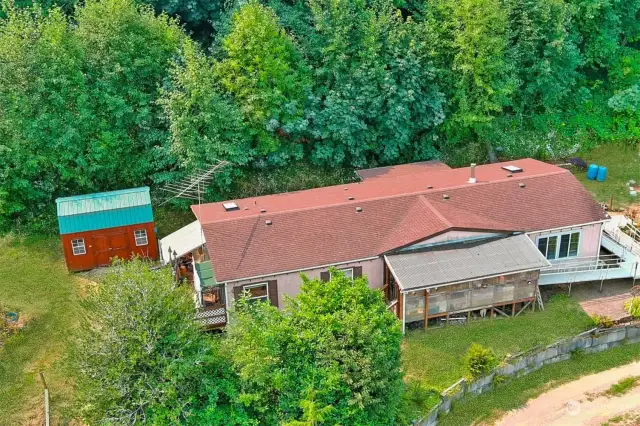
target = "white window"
x: 348, y: 273
x: 141, y: 237
x: 258, y: 291
x: 77, y: 246
x: 559, y: 246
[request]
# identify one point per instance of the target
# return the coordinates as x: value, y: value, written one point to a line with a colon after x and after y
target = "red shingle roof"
x: 321, y: 226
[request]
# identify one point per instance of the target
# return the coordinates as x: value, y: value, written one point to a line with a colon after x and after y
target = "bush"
x: 417, y: 401
x: 480, y: 360
x: 602, y: 321
x: 632, y: 306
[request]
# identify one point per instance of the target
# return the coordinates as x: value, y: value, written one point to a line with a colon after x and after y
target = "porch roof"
x: 182, y: 241
x: 452, y: 263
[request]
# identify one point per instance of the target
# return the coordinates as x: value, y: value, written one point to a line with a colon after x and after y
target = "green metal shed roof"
x: 103, y: 201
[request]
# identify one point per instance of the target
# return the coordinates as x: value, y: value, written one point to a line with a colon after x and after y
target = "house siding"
x: 589, y: 239
x: 289, y: 283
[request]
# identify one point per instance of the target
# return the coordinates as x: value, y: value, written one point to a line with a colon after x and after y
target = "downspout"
x: 226, y: 303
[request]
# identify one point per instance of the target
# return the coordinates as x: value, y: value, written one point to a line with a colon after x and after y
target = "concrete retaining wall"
x: 595, y: 340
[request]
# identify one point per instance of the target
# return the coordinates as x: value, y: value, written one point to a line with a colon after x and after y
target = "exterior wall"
x: 589, y: 238
x: 289, y: 284
x: 102, y: 244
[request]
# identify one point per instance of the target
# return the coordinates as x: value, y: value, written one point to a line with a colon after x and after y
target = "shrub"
x: 602, y: 321
x: 632, y: 306
x: 417, y: 400
x: 480, y: 360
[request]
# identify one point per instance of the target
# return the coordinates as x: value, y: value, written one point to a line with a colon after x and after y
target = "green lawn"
x: 435, y: 357
x: 35, y: 282
x: 514, y: 394
x: 623, y: 164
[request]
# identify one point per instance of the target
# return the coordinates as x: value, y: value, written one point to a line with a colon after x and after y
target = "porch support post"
x: 401, y: 307
x: 426, y: 308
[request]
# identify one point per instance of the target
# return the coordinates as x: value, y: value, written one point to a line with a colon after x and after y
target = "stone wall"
x: 596, y: 340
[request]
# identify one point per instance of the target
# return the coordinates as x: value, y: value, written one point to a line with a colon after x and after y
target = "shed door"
x: 105, y: 247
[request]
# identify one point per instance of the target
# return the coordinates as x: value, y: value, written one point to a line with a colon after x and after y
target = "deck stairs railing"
x: 625, y: 233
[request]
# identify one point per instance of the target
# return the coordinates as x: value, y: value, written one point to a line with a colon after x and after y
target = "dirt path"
x: 570, y: 404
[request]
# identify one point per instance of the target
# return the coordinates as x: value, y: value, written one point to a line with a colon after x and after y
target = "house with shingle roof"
x: 442, y: 244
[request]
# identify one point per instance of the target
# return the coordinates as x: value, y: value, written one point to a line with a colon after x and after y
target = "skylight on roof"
x: 230, y: 206
x: 511, y: 168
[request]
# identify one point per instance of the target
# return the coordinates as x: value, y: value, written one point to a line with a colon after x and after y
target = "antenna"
x: 193, y: 186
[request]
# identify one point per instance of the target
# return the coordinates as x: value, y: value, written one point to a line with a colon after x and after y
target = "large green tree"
x: 79, y: 102
x: 332, y: 356
x: 266, y: 76
x: 141, y: 358
x: 376, y: 100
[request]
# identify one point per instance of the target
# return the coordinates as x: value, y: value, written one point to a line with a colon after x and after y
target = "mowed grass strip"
x: 436, y: 357
x: 623, y: 164
x: 511, y: 395
x: 35, y: 282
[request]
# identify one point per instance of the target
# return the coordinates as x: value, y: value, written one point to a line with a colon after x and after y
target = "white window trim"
x: 73, y: 248
x: 559, y: 235
x: 146, y: 237
x: 343, y: 270
x: 265, y: 284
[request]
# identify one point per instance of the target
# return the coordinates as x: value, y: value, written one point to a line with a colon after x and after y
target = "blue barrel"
x: 602, y: 173
x: 592, y: 171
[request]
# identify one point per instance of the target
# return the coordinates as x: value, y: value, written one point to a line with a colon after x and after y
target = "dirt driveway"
x: 577, y: 404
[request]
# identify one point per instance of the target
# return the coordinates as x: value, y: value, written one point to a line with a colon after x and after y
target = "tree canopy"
x: 141, y: 358
x: 332, y: 356
x: 110, y: 94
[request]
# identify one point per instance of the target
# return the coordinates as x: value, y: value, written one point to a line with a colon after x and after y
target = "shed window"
x: 559, y: 246
x: 141, y: 237
x: 258, y: 291
x: 348, y: 273
x: 77, y: 246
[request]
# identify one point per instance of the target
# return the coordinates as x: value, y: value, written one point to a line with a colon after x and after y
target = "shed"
x: 95, y: 228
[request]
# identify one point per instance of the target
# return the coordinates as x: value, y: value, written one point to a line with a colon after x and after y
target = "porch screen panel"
x: 524, y: 290
x: 414, y: 306
x: 482, y: 296
x: 437, y: 303
x: 459, y: 300
x: 504, y: 293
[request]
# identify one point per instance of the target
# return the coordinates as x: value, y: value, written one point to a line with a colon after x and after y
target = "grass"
x: 623, y: 386
x: 623, y: 164
x: 35, y: 282
x: 436, y: 357
x: 514, y: 394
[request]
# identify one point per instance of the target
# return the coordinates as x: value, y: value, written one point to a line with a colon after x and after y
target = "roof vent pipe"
x: 472, y: 173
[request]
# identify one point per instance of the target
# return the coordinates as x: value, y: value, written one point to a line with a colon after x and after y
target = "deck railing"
x: 585, y: 264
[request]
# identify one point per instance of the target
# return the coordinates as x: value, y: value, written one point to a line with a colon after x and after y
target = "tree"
x: 266, y: 75
x: 542, y: 53
x: 78, y: 103
x: 332, y: 356
x: 141, y: 358
x: 204, y: 121
x: 376, y: 100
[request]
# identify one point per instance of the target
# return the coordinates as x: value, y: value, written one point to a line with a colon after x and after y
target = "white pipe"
x: 404, y: 311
